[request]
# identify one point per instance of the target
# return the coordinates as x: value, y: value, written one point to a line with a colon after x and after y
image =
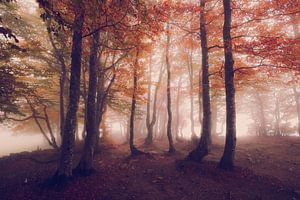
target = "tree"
x: 151, y: 122
x: 169, y: 125
x: 133, y: 149
x: 66, y: 156
x: 202, y: 149
x: 85, y: 165
x: 227, y: 160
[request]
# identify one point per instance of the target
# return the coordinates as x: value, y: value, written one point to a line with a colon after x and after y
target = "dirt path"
x: 161, y: 176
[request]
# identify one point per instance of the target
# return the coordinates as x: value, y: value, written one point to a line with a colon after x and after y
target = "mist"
x: 163, y: 99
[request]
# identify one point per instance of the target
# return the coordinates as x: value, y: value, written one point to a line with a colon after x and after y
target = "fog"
x: 15, y: 143
x: 12, y: 141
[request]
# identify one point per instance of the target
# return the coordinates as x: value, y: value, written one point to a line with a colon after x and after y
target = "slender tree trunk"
x: 200, y: 99
x: 63, y: 75
x: 203, y: 147
x: 222, y: 125
x: 99, y: 100
x: 151, y: 123
x: 191, y: 74
x: 277, y: 116
x: 214, y: 118
x: 177, y: 109
x: 296, y: 93
x: 68, y: 139
x: 83, y: 134
x: 133, y: 149
x: 149, y: 138
x: 128, y: 130
x: 227, y: 160
x: 103, y: 124
x: 51, y: 140
x: 85, y: 165
x: 169, y: 103
x: 262, y: 120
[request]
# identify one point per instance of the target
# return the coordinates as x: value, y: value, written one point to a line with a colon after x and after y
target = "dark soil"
x: 267, y: 168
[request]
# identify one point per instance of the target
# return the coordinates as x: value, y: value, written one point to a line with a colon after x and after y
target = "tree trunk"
x: 85, y: 165
x: 214, y: 118
x: 262, y: 120
x: 227, y: 160
x: 149, y: 138
x: 84, y: 94
x: 133, y: 149
x: 150, y: 123
x: 177, y: 109
x: 68, y: 139
x: 191, y: 74
x: 296, y: 94
x: 103, y: 124
x: 169, y: 103
x: 203, y: 147
x: 62, y: 81
x: 59, y: 54
x: 277, y: 116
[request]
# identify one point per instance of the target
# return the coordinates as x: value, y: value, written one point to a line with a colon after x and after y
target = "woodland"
x: 151, y: 99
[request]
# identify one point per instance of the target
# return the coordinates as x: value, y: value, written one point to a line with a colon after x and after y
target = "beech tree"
x: 227, y: 160
x: 203, y: 148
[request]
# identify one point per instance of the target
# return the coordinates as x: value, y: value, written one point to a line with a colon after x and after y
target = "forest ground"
x: 267, y: 169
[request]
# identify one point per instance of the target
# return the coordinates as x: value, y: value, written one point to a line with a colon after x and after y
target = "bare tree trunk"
x: 191, y: 79
x: 149, y: 137
x: 214, y: 118
x: 200, y: 99
x: 61, y: 97
x: 227, y: 160
x: 59, y: 53
x: 296, y: 93
x: 177, y: 109
x: 262, y: 120
x: 203, y: 147
x: 83, y: 134
x: 103, y: 124
x: 128, y: 130
x: 150, y: 123
x: 277, y: 116
x: 133, y: 149
x: 169, y: 103
x: 68, y: 139
x: 85, y: 165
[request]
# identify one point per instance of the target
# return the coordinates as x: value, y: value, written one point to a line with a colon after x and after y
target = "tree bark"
x: 149, y: 138
x: 296, y: 94
x: 133, y: 149
x: 191, y: 79
x: 169, y: 103
x: 177, y: 109
x: 277, y: 116
x: 84, y: 95
x: 85, y: 165
x: 68, y: 139
x: 262, y: 131
x: 227, y: 160
x: 59, y: 54
x: 203, y: 147
x: 151, y: 122
x: 214, y: 118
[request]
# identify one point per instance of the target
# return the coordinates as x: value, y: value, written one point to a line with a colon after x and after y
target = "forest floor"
x: 267, y: 169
